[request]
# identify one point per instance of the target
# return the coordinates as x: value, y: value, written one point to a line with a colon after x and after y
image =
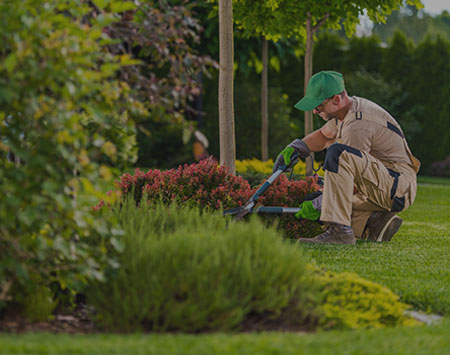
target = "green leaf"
x: 10, y: 62
x: 120, y: 6
x: 101, y: 4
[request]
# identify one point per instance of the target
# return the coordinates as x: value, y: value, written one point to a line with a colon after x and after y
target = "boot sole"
x: 390, y: 228
x: 312, y: 241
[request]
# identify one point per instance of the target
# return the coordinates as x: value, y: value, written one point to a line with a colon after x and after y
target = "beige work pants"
x: 377, y: 188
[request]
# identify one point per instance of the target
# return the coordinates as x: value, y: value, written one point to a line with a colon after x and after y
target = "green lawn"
x: 419, y: 340
x: 415, y: 264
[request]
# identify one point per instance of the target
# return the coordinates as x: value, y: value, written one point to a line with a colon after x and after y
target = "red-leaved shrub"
x: 204, y: 184
x: 291, y: 193
x: 207, y: 185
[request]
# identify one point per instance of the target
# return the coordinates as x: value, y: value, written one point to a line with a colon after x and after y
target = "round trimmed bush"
x: 351, y: 302
x: 183, y: 270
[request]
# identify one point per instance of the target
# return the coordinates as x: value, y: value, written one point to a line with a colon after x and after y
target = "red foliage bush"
x: 291, y: 193
x: 207, y: 185
x: 204, y: 184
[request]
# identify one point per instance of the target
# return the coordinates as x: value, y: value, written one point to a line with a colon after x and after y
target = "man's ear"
x: 336, y: 99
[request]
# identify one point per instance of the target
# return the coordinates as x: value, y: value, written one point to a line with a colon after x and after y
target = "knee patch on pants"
x: 334, y: 151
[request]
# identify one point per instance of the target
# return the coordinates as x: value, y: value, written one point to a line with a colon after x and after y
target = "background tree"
x: 416, y: 24
x: 162, y: 36
x: 226, y: 72
x: 269, y: 21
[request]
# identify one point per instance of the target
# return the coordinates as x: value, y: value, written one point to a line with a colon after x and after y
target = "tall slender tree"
x: 226, y: 107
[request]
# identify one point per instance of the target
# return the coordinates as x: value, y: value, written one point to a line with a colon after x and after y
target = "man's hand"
x: 307, y: 211
x: 285, y: 156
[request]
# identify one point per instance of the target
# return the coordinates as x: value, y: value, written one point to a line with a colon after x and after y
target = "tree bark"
x: 308, y: 74
x: 310, y: 30
x: 264, y: 103
x: 226, y: 107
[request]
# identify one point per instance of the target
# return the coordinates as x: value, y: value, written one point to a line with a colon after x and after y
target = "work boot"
x: 335, y: 234
x: 382, y: 226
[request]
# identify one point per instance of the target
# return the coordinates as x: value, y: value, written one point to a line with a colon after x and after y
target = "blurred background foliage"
x: 407, y: 74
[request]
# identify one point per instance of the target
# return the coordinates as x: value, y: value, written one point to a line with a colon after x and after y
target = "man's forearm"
x: 316, y: 141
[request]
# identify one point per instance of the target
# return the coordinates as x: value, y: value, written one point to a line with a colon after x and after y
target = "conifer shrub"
x: 351, y: 302
x: 186, y: 270
x: 209, y: 186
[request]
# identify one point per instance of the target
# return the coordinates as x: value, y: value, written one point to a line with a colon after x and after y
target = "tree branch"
x: 320, y: 22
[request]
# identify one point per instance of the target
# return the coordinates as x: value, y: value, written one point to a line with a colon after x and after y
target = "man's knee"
x: 334, y: 152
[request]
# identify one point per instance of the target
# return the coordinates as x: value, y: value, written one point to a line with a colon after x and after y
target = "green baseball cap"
x: 321, y: 86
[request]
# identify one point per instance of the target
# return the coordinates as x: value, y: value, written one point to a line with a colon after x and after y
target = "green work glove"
x: 286, y: 154
x: 307, y: 211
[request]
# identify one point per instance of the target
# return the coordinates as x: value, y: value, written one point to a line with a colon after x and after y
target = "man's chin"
x: 326, y: 118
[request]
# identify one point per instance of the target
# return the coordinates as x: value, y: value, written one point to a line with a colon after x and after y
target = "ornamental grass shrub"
x: 186, y: 270
x: 209, y: 186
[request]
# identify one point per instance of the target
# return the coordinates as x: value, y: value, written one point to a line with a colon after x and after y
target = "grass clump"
x: 182, y: 270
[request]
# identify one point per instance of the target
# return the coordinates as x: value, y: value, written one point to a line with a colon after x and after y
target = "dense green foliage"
x: 65, y: 117
x: 186, y: 271
x: 416, y: 24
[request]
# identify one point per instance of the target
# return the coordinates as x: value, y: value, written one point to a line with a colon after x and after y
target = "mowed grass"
x: 417, y: 340
x: 416, y: 263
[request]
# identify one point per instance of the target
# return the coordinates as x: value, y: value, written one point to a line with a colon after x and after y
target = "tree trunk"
x: 308, y: 74
x: 264, y: 103
x: 226, y: 108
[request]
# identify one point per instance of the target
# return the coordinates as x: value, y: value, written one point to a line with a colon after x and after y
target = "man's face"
x: 326, y: 109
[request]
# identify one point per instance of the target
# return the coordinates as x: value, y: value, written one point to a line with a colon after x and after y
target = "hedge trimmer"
x: 251, y: 205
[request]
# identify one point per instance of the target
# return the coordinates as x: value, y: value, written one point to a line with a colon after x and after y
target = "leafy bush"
x: 62, y: 113
x: 291, y: 193
x: 351, y: 302
x: 204, y: 184
x: 209, y: 186
x: 35, y: 303
x: 187, y: 270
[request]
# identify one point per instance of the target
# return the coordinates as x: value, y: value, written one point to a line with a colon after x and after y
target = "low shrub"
x: 209, y: 186
x: 351, y: 302
x: 204, y: 184
x: 291, y: 193
x: 190, y: 271
x: 35, y: 304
